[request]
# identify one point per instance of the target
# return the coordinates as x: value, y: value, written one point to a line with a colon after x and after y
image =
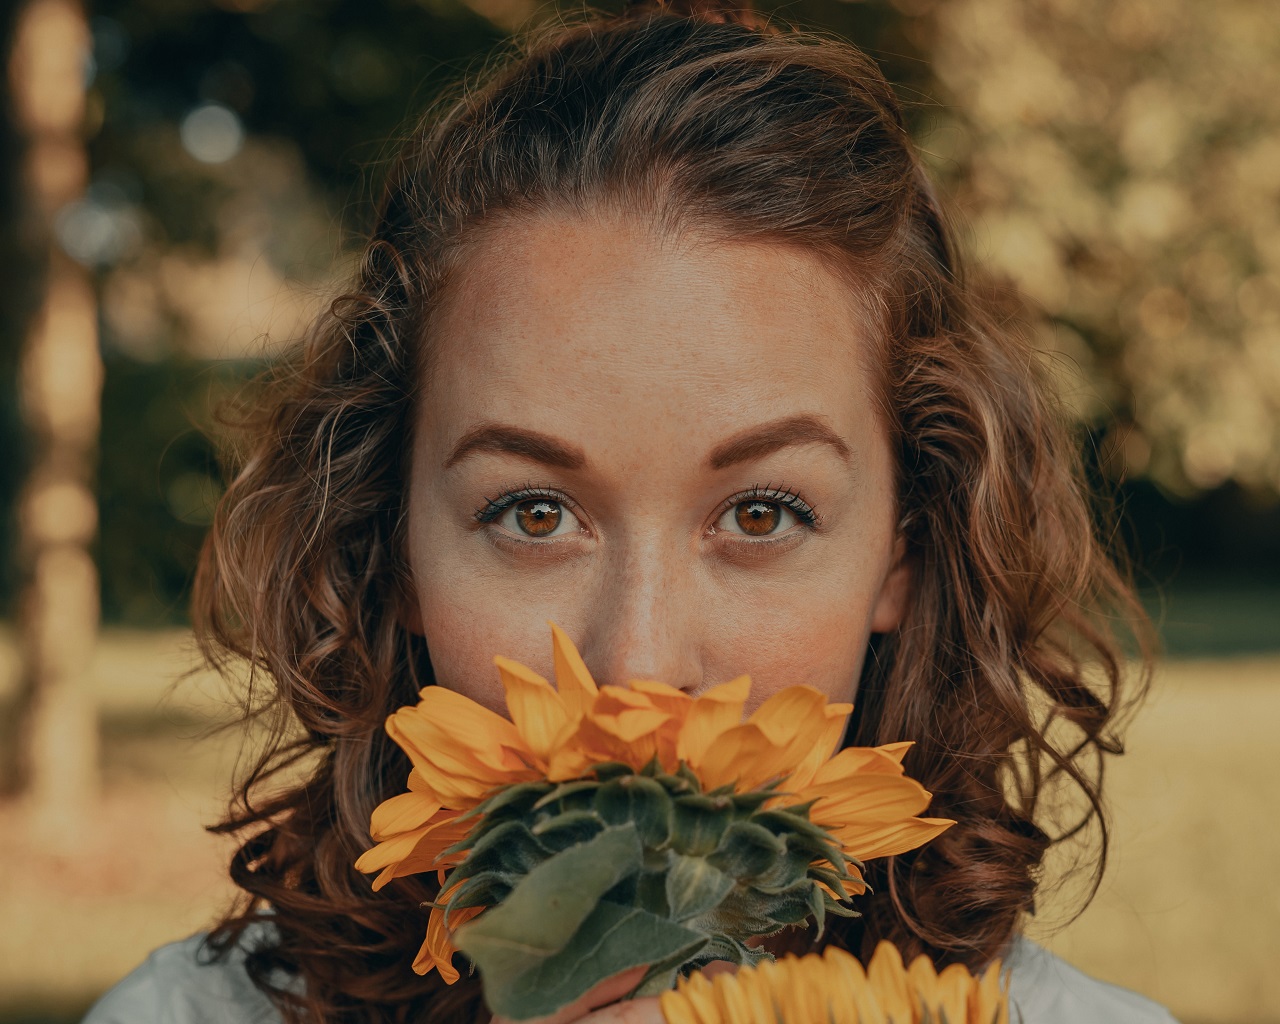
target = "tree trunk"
x: 60, y: 390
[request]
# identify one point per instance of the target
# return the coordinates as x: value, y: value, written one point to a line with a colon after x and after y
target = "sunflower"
x: 833, y: 988
x: 470, y: 763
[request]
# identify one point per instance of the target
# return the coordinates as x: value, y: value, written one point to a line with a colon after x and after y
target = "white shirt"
x: 180, y: 984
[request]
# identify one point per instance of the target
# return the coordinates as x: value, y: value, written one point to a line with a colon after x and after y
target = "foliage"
x: 1119, y: 164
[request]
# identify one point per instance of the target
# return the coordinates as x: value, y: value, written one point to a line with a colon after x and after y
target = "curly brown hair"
x: 1008, y: 669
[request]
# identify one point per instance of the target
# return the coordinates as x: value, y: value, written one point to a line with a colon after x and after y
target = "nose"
x: 644, y: 623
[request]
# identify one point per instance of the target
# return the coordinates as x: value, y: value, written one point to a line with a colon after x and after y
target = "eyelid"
x: 785, y: 497
x: 494, y: 507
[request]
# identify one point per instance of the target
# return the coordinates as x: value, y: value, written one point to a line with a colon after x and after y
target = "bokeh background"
x: 183, y: 181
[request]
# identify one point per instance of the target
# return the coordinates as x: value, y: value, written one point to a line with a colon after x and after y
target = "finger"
x: 608, y: 991
x: 633, y: 1011
x: 718, y: 967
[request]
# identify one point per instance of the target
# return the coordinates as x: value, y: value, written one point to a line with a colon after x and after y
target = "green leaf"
x: 651, y: 890
x: 610, y: 940
x: 694, y: 886
x: 547, y: 907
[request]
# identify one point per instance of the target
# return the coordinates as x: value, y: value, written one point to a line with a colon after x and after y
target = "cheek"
x: 468, y: 617
x: 824, y: 652
x: 817, y: 637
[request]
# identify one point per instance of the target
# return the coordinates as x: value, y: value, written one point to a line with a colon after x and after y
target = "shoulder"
x: 1045, y: 989
x: 182, y: 983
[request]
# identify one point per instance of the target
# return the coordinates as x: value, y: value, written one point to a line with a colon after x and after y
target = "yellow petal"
x: 401, y: 814
x: 848, y: 976
x: 573, y: 681
x: 988, y: 1002
x: 836, y: 719
x: 867, y: 798
x: 743, y: 755
x: 411, y: 852
x: 895, y: 751
x: 389, y: 852
x: 790, y: 713
x: 731, y: 999
x: 715, y: 712
x: 888, y: 978
x: 438, y: 948
x: 444, y: 720
x: 853, y: 761
x: 539, y: 713
x: 954, y: 983
x: 891, y: 838
x: 676, y: 1008
x: 663, y: 697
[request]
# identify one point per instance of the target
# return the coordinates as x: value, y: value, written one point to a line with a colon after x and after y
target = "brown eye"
x: 758, y: 518
x: 537, y: 517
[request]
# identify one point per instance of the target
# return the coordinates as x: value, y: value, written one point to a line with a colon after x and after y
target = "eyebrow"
x: 750, y: 444
x: 757, y: 442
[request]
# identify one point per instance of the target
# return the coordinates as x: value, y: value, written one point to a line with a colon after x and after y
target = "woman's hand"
x: 601, y: 1006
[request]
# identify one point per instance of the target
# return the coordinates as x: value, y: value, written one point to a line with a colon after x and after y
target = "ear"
x: 895, y: 591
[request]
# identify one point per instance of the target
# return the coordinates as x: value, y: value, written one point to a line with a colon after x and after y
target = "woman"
x: 660, y: 335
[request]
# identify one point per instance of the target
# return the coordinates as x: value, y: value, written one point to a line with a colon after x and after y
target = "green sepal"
x: 748, y: 803
x: 699, y: 823
x: 509, y: 847
x: 832, y: 879
x: 786, y: 871
x: 746, y: 850
x: 503, y: 799
x: 565, y: 789
x: 564, y: 830
x: 818, y: 907
x: 694, y: 886
x: 605, y: 771
x: 482, y: 890
x: 725, y: 947
x: 685, y: 780
x: 787, y: 821
x: 638, y: 799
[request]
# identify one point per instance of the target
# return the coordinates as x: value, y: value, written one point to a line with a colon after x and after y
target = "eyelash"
x: 803, y: 511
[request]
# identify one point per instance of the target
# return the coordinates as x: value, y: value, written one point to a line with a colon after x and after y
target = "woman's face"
x: 671, y: 451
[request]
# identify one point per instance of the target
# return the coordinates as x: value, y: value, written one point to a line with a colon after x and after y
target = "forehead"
x: 576, y: 314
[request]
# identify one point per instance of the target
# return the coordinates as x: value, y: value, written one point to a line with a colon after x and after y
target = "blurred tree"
x: 237, y: 147
x: 61, y: 379
x: 1121, y: 163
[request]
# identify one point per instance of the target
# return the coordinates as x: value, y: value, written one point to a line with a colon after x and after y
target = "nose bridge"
x: 642, y: 626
